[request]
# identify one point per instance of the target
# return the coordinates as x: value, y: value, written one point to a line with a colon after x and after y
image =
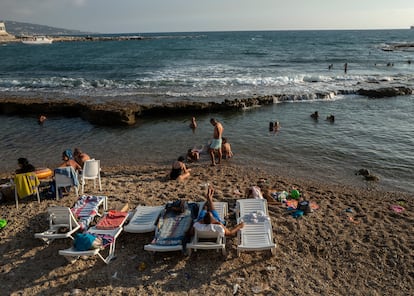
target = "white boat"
x: 37, y: 40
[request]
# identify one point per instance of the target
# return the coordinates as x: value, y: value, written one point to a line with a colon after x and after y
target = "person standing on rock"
x: 216, y: 142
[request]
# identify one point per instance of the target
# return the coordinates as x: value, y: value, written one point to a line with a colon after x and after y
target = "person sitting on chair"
x: 208, y: 216
x: 68, y: 160
x: 80, y: 157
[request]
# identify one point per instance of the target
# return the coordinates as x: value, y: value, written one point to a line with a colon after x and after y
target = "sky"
x: 142, y: 16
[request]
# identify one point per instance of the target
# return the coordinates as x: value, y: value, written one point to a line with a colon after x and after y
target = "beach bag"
x: 305, y: 207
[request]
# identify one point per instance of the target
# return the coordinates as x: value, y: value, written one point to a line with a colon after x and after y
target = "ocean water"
x: 368, y: 133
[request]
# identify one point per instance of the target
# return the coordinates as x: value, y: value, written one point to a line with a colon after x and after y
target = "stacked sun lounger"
x: 107, y: 229
x: 64, y: 221
x: 87, y: 207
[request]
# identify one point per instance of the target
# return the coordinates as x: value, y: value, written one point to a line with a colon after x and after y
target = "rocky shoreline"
x: 114, y: 113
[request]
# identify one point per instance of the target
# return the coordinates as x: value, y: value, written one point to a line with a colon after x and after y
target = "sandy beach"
x: 354, y: 244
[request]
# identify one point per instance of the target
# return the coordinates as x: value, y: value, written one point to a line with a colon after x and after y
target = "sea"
x: 376, y: 134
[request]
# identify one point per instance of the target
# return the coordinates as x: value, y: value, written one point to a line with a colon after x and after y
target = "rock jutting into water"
x: 385, y: 92
x: 117, y: 113
x: 114, y: 113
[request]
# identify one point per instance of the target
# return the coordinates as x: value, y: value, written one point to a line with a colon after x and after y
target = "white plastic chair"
x: 210, y: 240
x: 28, y: 181
x: 59, y: 218
x: 91, y: 171
x: 65, y: 181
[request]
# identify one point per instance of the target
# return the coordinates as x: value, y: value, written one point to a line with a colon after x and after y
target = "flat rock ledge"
x: 117, y: 113
x: 385, y: 92
x: 124, y: 114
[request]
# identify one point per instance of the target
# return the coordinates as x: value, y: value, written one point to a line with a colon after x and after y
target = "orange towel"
x: 112, y: 220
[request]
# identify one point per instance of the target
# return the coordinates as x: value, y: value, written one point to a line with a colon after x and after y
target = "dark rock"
x: 367, y: 175
x: 371, y: 178
x: 385, y: 92
x: 363, y: 172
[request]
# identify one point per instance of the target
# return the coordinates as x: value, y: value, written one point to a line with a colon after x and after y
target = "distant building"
x: 3, y: 29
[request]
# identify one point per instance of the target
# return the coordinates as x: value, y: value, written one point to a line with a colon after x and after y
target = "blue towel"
x: 68, y: 172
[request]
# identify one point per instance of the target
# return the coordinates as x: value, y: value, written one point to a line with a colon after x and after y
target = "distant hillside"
x: 21, y: 29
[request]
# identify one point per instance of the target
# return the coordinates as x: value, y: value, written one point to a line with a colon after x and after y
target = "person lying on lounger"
x: 209, y: 216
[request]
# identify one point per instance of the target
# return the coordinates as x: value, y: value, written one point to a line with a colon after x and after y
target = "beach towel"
x: 172, y: 227
x: 86, y: 208
x: 68, y: 172
x: 292, y: 204
x: 112, y: 220
x: 26, y: 184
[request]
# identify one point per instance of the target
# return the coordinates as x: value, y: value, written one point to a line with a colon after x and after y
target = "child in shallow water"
x: 226, y: 148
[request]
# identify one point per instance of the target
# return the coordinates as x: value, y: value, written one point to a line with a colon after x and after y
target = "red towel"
x: 112, y: 220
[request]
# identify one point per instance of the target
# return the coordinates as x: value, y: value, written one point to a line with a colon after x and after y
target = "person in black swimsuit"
x: 179, y: 171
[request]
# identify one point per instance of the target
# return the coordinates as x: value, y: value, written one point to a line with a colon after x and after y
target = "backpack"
x: 305, y: 207
x: 84, y: 241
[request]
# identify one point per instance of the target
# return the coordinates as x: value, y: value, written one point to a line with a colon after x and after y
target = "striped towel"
x: 86, y: 208
x: 172, y: 228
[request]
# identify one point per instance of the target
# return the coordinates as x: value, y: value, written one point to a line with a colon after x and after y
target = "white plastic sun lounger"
x: 256, y: 237
x: 62, y: 224
x: 144, y: 219
x: 101, y: 229
x: 72, y: 254
x: 257, y: 233
x: 211, y: 240
x: 167, y: 225
x: 250, y: 205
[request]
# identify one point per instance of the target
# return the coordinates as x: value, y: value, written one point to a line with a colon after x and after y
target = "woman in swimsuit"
x: 179, y: 171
